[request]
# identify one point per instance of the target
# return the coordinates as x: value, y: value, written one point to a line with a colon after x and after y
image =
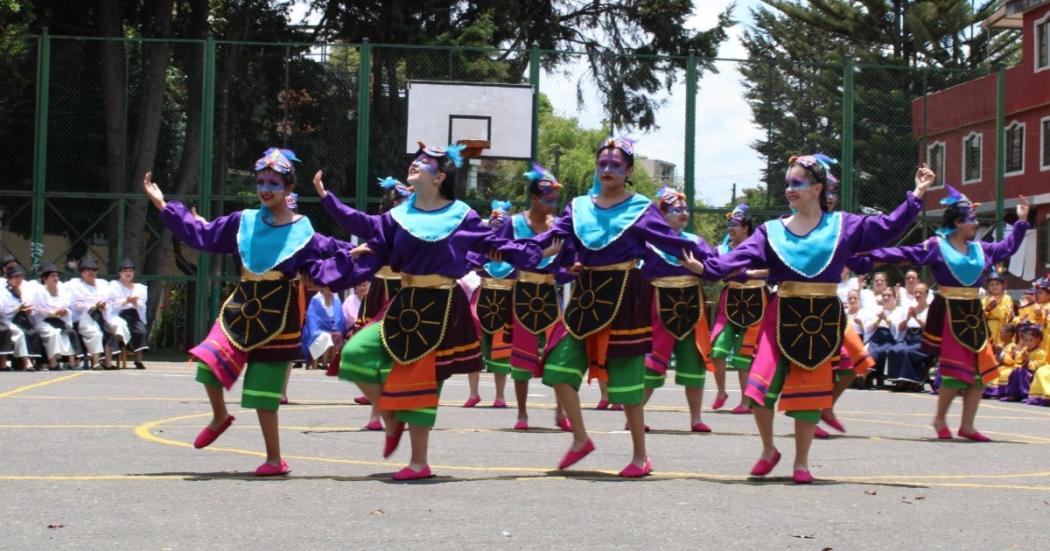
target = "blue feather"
x: 454, y: 152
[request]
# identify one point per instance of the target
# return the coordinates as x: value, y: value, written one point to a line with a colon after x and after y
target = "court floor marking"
x: 21, y: 389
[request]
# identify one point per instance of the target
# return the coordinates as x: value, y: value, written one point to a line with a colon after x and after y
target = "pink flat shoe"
x: 701, y: 427
x: 820, y: 433
x: 616, y: 407
x: 564, y: 425
x: 499, y: 404
x: 392, y: 441
x: 943, y: 433
x: 602, y: 404
x: 764, y: 466
x: 571, y: 457
x: 832, y: 421
x: 719, y: 401
x: 521, y: 425
x: 283, y: 401
x: 976, y: 436
x: 471, y: 402
x: 634, y: 471
x: 363, y: 400
x: 409, y: 474
x: 208, y: 434
x: 740, y: 410
x: 267, y: 469
x: 374, y: 424
x: 628, y: 427
x: 802, y: 476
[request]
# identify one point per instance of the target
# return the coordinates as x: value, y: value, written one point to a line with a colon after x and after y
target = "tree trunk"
x: 111, y: 22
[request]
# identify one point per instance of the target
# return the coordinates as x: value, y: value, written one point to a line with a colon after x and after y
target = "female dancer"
x: 805, y: 253
x: 427, y: 333
x: 607, y: 323
x: 258, y: 329
x: 955, y: 324
x: 679, y: 324
x: 740, y: 309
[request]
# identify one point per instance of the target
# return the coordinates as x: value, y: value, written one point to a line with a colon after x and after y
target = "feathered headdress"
x: 623, y: 143
x: 390, y: 182
x: 1029, y: 328
x: 500, y: 211
x: 668, y: 196
x: 739, y: 213
x: 817, y: 164
x: 543, y: 179
x: 959, y: 201
x: 453, y: 151
x: 277, y: 160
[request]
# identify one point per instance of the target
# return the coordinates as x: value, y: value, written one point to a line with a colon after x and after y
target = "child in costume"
x: 1020, y: 362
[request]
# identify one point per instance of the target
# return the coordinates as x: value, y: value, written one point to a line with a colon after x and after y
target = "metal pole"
x: 534, y: 81
x: 364, y: 73
x: 122, y: 209
x: 43, y: 78
x: 1000, y: 147
x: 690, y: 133
x: 203, y: 283
x: 847, y: 135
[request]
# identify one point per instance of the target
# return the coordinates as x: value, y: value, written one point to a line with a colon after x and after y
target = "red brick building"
x: 959, y: 124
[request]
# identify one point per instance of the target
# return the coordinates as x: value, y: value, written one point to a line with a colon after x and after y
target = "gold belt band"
x: 749, y: 284
x: 272, y: 275
x: 536, y: 277
x: 675, y: 282
x: 430, y: 281
x: 497, y: 283
x: 386, y: 272
x: 806, y: 289
x: 618, y: 267
x: 959, y: 293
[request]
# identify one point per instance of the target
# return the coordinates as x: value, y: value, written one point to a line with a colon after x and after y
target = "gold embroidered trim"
x: 806, y: 289
x: 536, y: 277
x: 959, y: 293
x: 497, y: 283
x: 429, y: 281
x: 675, y: 282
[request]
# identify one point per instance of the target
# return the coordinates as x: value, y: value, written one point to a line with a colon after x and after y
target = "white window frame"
x: 1042, y: 142
x: 944, y: 163
x: 1024, y: 145
x: 1035, y: 43
x: 980, y: 157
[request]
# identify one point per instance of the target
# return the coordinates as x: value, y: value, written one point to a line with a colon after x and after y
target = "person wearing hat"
x: 6, y: 261
x: 52, y: 319
x: 998, y: 308
x: 1018, y: 370
x: 959, y: 262
x: 129, y: 305
x: 90, y: 305
x: 25, y: 343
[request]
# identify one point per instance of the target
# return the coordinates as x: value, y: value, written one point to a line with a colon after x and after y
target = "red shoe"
x: 564, y: 425
x: 393, y: 441
x: 602, y: 404
x: 741, y: 409
x: 471, y: 402
x: 374, y: 424
x: 701, y: 427
x: 764, y: 466
x: 208, y: 434
x: 521, y: 425
x: 832, y: 421
x: 820, y: 433
x: 616, y: 407
x: 634, y: 471
x: 267, y: 469
x: 944, y: 433
x: 628, y: 427
x: 720, y: 401
x: 363, y: 400
x: 283, y: 401
x: 409, y: 474
x: 499, y: 404
x: 802, y: 476
x: 571, y: 457
x: 975, y: 436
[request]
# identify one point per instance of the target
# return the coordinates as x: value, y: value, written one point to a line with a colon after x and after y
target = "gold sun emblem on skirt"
x: 535, y: 306
x: 414, y: 324
x: 745, y: 306
x: 595, y: 301
x: 493, y: 309
x: 968, y: 324
x: 255, y: 311
x: 809, y: 330
x: 679, y: 309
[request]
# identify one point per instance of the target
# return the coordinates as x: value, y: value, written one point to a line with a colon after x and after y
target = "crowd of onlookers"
x: 80, y: 323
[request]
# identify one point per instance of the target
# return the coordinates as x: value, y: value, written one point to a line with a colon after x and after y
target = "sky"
x: 724, y: 129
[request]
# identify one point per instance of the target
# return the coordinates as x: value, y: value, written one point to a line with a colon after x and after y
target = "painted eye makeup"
x: 611, y: 167
x: 269, y: 186
x: 426, y: 165
x: 795, y: 183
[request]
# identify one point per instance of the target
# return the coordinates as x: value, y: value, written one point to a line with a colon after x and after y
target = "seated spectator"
x: 23, y: 342
x: 91, y: 313
x: 906, y: 361
x: 880, y: 332
x: 1022, y: 364
x: 853, y: 311
x: 129, y: 305
x: 324, y: 328
x: 1008, y: 359
x: 52, y: 320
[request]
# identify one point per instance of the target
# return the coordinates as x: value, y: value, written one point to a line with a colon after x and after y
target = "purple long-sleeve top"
x: 928, y: 253
x: 353, y: 222
x: 405, y: 252
x: 220, y: 237
x: 650, y: 227
x: 857, y: 234
x: 556, y: 265
x: 658, y: 264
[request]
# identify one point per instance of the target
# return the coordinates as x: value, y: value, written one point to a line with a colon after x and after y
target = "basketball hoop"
x: 473, y: 148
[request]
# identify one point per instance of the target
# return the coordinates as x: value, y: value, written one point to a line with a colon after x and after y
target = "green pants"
x: 807, y: 415
x: 365, y: 361
x: 263, y: 383
x: 567, y: 364
x: 491, y: 365
x: 727, y: 346
x: 689, y: 368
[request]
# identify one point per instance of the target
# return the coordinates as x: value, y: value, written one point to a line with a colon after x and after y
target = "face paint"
x: 268, y: 183
x: 681, y: 209
x: 795, y: 183
x: 971, y: 217
x: 426, y: 164
x: 832, y: 196
x: 610, y: 163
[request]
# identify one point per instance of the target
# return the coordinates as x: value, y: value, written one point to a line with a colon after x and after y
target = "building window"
x: 971, y: 161
x: 935, y: 159
x: 1042, y: 43
x: 1044, y: 139
x: 1015, y: 149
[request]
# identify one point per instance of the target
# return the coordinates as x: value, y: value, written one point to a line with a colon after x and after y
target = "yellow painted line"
x: 1020, y: 438
x: 72, y: 426
x: 40, y: 384
x: 984, y: 405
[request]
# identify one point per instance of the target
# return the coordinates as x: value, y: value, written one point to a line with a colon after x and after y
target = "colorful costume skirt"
x: 957, y: 331
x: 679, y: 332
x: 535, y: 313
x: 741, y: 307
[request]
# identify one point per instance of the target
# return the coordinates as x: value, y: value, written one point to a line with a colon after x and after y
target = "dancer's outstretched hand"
x: 1022, y: 207
x: 924, y: 178
x: 554, y: 248
x: 319, y: 184
x: 156, y: 196
x: 691, y: 263
x: 360, y: 250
